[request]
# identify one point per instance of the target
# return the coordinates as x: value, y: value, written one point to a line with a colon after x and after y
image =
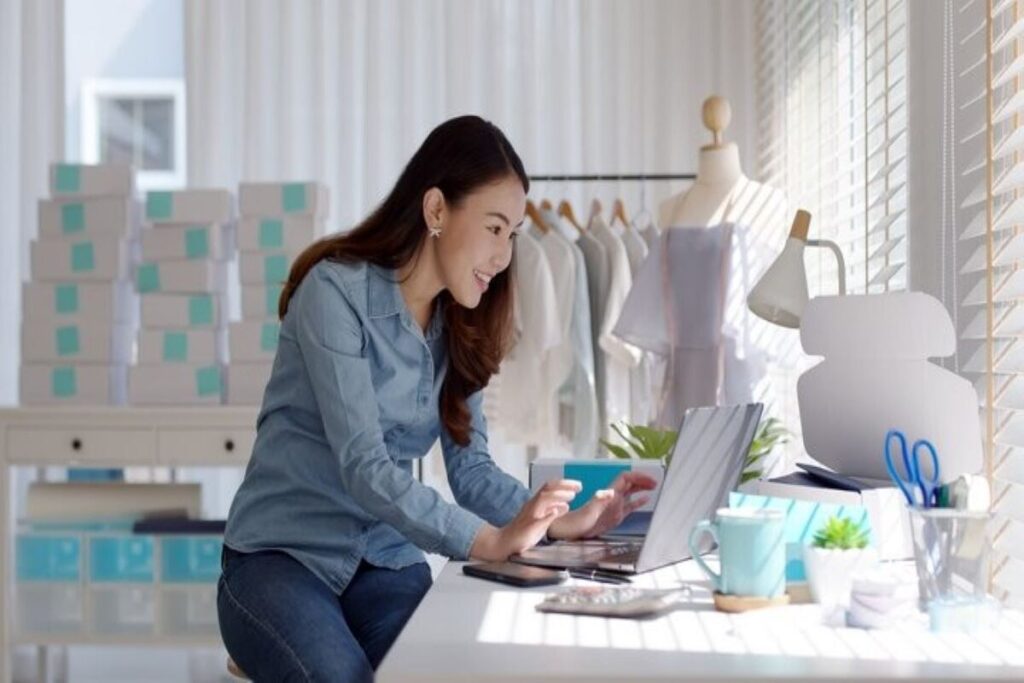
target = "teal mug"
x: 751, y: 551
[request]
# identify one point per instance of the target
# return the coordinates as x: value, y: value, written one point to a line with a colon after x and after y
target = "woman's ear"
x: 433, y: 207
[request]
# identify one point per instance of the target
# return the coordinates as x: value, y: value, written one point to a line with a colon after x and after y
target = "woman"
x: 388, y: 334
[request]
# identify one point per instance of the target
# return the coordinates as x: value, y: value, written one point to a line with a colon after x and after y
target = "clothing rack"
x: 613, y: 177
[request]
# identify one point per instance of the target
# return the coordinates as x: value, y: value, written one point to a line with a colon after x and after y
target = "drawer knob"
x: 76, y: 444
x: 229, y: 445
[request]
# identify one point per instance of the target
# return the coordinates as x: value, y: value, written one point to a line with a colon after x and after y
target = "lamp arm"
x: 839, y: 257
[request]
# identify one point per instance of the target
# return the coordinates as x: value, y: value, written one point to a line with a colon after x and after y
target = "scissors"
x: 917, y: 487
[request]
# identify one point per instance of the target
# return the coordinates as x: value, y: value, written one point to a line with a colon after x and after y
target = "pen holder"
x: 951, y: 551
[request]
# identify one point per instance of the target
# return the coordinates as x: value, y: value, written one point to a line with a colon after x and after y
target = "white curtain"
x: 344, y: 91
x: 31, y: 136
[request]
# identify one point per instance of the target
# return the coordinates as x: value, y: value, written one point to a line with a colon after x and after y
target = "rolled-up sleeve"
x: 330, y: 338
x: 477, y: 482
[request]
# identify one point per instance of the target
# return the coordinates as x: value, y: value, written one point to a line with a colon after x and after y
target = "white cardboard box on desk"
x: 87, y: 218
x: 291, y: 233
x: 72, y: 384
x: 190, y: 206
x: 279, y: 199
x: 106, y: 302
x: 175, y: 384
x: 91, y: 180
x: 46, y: 340
x: 247, y: 382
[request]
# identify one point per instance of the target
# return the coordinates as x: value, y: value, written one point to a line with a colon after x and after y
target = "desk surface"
x: 471, y: 630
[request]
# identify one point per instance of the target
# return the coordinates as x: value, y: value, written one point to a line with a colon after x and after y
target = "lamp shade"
x: 781, y: 294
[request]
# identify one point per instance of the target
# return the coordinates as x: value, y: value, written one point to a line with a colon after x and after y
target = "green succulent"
x: 840, y: 534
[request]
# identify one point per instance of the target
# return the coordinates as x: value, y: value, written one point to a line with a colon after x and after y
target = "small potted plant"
x: 838, y: 551
x: 770, y: 433
x: 646, y: 443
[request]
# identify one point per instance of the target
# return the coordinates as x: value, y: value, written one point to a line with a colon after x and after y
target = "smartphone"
x: 514, y: 574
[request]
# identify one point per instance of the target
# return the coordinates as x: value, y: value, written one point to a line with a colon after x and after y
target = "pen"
x: 598, y: 575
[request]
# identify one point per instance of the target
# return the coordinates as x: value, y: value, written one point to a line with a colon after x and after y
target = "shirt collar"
x: 384, y: 298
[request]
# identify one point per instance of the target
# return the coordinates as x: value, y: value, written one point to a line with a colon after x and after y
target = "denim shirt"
x: 352, y: 400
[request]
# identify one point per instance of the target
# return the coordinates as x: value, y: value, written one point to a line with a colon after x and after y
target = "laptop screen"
x: 706, y: 465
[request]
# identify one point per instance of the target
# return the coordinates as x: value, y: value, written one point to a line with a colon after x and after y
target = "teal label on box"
x: 159, y: 205
x: 121, y: 559
x: 268, y: 336
x: 271, y: 233
x: 175, y: 346
x: 197, y: 243
x: 148, y: 278
x: 190, y: 559
x: 293, y: 197
x: 68, y: 178
x: 65, y: 298
x: 67, y: 340
x: 200, y: 310
x: 47, y: 558
x: 593, y: 476
x: 273, y: 294
x: 72, y: 218
x: 63, y: 382
x: 208, y: 381
x: 275, y: 268
x: 83, y: 257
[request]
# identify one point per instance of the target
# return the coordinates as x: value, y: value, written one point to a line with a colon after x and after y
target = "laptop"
x: 706, y: 465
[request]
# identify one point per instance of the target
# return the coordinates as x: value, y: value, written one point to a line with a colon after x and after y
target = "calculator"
x: 612, y: 601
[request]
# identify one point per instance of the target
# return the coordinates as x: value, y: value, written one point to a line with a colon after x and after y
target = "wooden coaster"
x: 743, y: 603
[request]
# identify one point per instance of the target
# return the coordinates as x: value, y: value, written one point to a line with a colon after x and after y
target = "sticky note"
x: 67, y: 340
x: 275, y: 268
x: 208, y: 381
x: 200, y: 310
x: 159, y: 205
x: 593, y: 476
x: 83, y: 258
x: 68, y: 178
x: 148, y: 278
x: 175, y: 346
x: 268, y: 336
x: 293, y: 197
x: 65, y: 298
x: 63, y: 382
x: 72, y: 218
x: 197, y: 243
x: 271, y: 233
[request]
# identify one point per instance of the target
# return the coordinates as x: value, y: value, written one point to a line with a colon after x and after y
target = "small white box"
x: 189, y: 206
x: 281, y: 199
x: 262, y: 267
x: 260, y: 301
x: 254, y: 340
x: 82, y: 260
x: 46, y: 341
x: 106, y: 302
x: 247, y: 382
x: 72, y: 384
x: 594, y: 474
x: 175, y: 384
x: 289, y: 233
x: 198, y: 347
x: 91, y: 180
x: 193, y: 242
x: 198, y: 311
x: 181, y: 277
x: 93, y: 218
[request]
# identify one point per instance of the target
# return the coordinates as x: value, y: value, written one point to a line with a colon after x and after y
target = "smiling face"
x: 476, y: 237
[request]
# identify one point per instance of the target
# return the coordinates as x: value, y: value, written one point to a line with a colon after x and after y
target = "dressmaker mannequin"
x: 721, y: 193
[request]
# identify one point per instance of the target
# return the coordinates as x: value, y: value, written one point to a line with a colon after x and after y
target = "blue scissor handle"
x: 929, y: 487
x: 907, y: 486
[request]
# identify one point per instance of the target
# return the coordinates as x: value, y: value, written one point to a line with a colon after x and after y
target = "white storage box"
x: 171, y: 242
x: 247, y: 382
x: 83, y: 260
x: 198, y: 347
x: 45, y: 341
x: 289, y: 233
x: 183, y: 310
x: 91, y: 180
x: 95, y: 218
x: 181, y: 277
x: 175, y: 384
x: 279, y: 199
x: 260, y: 301
x: 254, y: 340
x: 106, y: 302
x: 262, y: 267
x: 72, y: 384
x: 189, y: 206
x: 189, y: 611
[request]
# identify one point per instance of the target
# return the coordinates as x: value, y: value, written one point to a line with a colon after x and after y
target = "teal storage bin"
x: 121, y: 559
x: 190, y: 559
x: 48, y: 557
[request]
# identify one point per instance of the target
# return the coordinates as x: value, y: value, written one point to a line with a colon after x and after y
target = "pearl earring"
x: 435, y: 231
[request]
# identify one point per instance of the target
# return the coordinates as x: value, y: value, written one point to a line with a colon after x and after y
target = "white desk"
x: 217, y: 436
x: 471, y: 630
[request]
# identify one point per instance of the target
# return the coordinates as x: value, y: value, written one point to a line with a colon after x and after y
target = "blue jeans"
x: 279, y: 622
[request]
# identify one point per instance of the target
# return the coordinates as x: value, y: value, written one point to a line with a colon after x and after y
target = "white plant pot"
x: 830, y: 572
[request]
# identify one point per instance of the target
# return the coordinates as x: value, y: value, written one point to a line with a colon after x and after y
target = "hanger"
x: 619, y: 212
x: 595, y: 210
x: 545, y: 204
x: 565, y: 211
x: 534, y: 214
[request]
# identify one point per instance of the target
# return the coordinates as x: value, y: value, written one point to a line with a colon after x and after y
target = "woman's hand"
x: 529, y: 526
x: 606, y: 509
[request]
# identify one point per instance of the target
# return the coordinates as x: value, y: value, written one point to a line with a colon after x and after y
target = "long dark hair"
x: 459, y: 156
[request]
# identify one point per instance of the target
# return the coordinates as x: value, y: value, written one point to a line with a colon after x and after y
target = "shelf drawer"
x: 205, y: 446
x: 80, y: 446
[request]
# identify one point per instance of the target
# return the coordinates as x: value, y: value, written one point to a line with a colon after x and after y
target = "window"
x: 140, y: 122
